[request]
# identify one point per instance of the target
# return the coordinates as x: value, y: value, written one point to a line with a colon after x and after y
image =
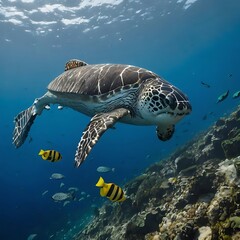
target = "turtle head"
x: 162, y: 103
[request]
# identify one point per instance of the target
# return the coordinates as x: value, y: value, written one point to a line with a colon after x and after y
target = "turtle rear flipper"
x: 97, y: 126
x: 23, y: 122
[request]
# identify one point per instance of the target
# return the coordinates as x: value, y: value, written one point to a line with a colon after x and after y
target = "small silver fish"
x: 65, y: 203
x: 103, y: 169
x: 31, y: 236
x: 57, y: 176
x: 61, y: 196
x: 45, y: 192
x: 74, y: 189
x: 236, y: 94
x: 223, y: 96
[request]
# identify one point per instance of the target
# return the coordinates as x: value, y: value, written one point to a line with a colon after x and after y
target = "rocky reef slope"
x: 194, y: 194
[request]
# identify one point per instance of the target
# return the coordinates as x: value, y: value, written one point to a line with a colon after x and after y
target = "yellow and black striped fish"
x: 50, y: 155
x: 111, y: 191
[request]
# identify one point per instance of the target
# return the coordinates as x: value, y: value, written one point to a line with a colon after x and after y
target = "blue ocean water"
x: 184, y: 41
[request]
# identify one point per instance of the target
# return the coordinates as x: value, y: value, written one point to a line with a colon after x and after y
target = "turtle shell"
x: 99, y: 79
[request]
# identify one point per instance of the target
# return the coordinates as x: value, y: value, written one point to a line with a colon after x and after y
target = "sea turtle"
x: 109, y: 93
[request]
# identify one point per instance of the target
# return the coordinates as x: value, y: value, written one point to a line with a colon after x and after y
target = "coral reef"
x: 192, y: 195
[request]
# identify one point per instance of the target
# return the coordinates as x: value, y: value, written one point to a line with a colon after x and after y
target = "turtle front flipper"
x: 164, y: 133
x: 23, y: 122
x: 97, y: 126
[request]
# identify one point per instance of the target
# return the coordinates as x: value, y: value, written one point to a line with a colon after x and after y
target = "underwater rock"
x: 183, y: 162
x: 237, y: 166
x: 231, y: 147
x: 219, y: 207
x: 234, y: 222
x: 133, y: 185
x: 220, y: 122
x: 212, y: 150
x: 142, y: 224
x: 96, y: 211
x: 228, y: 170
x: 188, y: 171
x: 236, y: 236
x: 187, y: 232
x: 108, y: 209
x: 221, y: 131
x: 208, y: 139
x: 204, y: 233
x: 152, y: 236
